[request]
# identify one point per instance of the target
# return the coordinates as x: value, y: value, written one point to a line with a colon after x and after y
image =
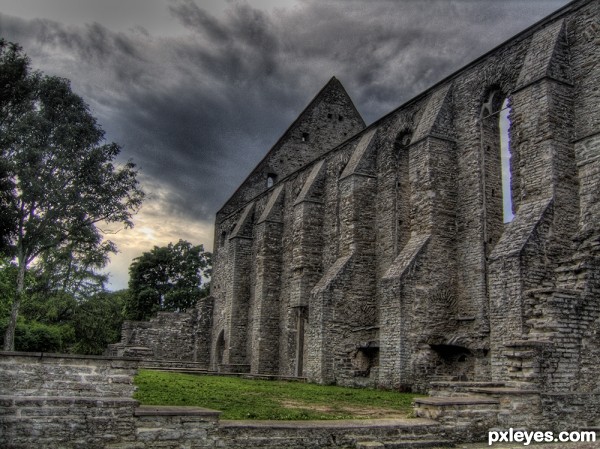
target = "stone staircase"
x: 174, y: 366
x: 468, y: 410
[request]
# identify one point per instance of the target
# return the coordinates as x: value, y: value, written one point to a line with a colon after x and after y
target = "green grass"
x: 260, y: 399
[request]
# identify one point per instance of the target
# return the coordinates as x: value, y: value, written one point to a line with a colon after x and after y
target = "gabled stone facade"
x: 379, y: 255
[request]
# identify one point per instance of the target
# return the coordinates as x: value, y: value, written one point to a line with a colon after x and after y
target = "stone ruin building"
x: 380, y: 256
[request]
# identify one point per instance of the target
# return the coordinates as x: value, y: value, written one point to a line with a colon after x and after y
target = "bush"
x: 39, y: 337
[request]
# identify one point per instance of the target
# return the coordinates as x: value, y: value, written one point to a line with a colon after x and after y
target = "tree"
x: 45, y: 322
x: 63, y: 179
x: 16, y: 97
x: 74, y: 269
x: 169, y: 278
x: 56, y: 320
x: 97, y: 322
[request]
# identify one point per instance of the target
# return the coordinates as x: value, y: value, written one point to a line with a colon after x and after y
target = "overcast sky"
x: 197, y: 91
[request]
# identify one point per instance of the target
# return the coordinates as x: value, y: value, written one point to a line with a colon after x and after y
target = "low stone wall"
x: 71, y: 402
x: 64, y: 401
x: 181, y: 336
x: 169, y: 335
x: 42, y: 374
x: 50, y: 401
x: 175, y: 428
x: 65, y: 422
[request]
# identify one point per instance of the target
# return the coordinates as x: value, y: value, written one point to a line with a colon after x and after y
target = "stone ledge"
x: 155, y: 410
x: 504, y: 390
x: 455, y: 400
x: 96, y: 401
x: 412, y: 423
x: 466, y: 384
x: 54, y: 356
x: 532, y: 343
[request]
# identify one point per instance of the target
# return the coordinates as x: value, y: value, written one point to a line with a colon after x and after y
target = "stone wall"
x: 51, y: 401
x: 183, y: 336
x: 59, y: 401
x: 569, y: 411
x: 385, y: 261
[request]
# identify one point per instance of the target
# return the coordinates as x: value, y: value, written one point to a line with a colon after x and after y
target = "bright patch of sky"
x: 506, y: 173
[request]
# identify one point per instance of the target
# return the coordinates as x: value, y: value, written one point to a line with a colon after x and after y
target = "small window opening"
x: 402, y: 141
x: 271, y: 179
x: 329, y: 116
x: 341, y: 118
x: 223, y: 238
x: 305, y: 137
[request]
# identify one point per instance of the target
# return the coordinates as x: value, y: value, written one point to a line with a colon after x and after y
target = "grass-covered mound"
x: 260, y: 399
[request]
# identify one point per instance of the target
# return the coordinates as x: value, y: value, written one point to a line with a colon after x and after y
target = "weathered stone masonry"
x: 378, y: 255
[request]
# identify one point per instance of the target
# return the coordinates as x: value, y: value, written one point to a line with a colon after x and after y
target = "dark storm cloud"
x: 196, y: 112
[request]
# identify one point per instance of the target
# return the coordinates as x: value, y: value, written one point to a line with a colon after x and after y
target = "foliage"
x: 41, y: 337
x: 74, y: 269
x: 8, y: 277
x: 97, y: 322
x: 257, y: 399
x: 59, y: 180
x: 57, y: 321
x: 16, y: 93
x: 168, y: 278
x: 58, y: 308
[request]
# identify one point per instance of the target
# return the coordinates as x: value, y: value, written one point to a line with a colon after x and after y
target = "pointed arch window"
x: 271, y: 180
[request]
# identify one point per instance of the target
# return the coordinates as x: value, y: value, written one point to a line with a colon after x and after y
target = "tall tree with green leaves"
x: 17, y: 86
x: 168, y: 278
x: 64, y: 179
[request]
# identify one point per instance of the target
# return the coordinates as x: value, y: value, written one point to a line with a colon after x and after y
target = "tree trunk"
x: 9, y: 336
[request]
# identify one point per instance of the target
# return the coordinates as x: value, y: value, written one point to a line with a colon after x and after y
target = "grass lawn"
x: 262, y: 399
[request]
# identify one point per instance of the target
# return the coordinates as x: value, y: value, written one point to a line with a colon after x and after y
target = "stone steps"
x: 467, y: 410
x: 178, y: 370
x: 465, y: 418
x: 158, y: 363
x: 455, y: 407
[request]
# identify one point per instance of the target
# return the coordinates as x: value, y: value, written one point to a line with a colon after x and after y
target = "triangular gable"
x: 304, y: 140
